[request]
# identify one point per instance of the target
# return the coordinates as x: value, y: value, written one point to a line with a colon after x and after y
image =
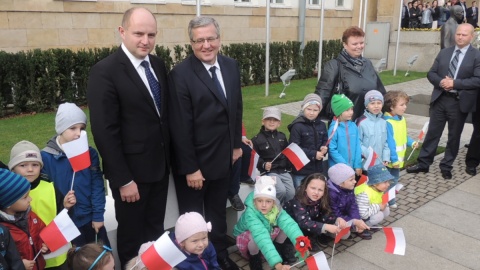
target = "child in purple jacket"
x: 342, y: 199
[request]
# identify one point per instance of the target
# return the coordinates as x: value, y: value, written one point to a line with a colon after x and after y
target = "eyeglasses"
x: 105, y: 250
x: 201, y: 41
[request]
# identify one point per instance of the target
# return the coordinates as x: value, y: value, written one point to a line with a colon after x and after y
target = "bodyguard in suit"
x: 455, y: 75
x: 126, y: 96
x: 206, y: 106
x: 472, y: 14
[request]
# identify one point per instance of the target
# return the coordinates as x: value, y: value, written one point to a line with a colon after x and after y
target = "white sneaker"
x: 394, y: 205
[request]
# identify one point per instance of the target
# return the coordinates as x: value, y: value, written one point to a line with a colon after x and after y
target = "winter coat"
x: 254, y: 221
x: 355, y: 82
x: 206, y: 261
x: 89, y: 185
x: 9, y: 256
x: 268, y: 144
x: 342, y: 202
x: 310, y: 135
x: 345, y: 145
x: 309, y: 217
x: 25, y: 230
x: 372, y: 131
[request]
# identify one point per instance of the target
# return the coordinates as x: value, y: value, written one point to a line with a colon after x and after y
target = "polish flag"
x: 59, y: 232
x: 389, y: 195
x: 423, y: 131
x: 343, y: 232
x: 163, y: 254
x: 296, y: 155
x: 398, y: 186
x: 370, y: 161
x: 78, y: 153
x: 335, y: 126
x: 252, y: 168
x: 395, y: 240
x: 317, y: 261
x: 363, y: 179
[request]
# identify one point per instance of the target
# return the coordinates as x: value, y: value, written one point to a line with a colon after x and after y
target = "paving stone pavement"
x: 439, y: 218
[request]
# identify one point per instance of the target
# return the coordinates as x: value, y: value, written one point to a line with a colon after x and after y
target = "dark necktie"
x: 154, y: 85
x: 453, y: 65
x: 217, y: 82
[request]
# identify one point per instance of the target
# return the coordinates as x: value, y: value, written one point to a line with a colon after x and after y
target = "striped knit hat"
x: 12, y: 188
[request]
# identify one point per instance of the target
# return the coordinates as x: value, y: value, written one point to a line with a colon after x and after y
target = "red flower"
x: 302, y: 245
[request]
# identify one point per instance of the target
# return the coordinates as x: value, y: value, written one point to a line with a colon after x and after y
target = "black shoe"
x: 227, y: 264
x: 249, y: 181
x: 366, y: 235
x: 471, y: 170
x: 236, y: 203
x: 324, y: 239
x: 287, y: 252
x: 416, y: 169
x: 467, y: 145
x: 447, y: 175
x: 255, y: 262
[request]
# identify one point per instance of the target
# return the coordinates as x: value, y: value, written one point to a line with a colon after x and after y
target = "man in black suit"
x: 126, y: 96
x: 206, y: 106
x: 464, y: 7
x: 472, y: 14
x: 405, y: 15
x: 453, y: 97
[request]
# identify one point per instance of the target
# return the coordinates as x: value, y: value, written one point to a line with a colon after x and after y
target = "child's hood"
x: 52, y: 147
x: 20, y: 219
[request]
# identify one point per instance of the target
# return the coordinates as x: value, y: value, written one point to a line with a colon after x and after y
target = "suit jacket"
x: 131, y: 137
x: 207, y: 127
x: 467, y: 82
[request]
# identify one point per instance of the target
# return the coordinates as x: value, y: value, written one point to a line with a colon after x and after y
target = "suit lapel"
x: 206, y: 78
x: 466, y: 58
x: 226, y: 78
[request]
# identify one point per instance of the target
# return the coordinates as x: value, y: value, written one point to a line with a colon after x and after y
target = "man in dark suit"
x: 472, y: 159
x: 405, y: 15
x: 464, y: 7
x: 126, y: 96
x: 206, y: 106
x: 472, y: 14
x: 453, y: 97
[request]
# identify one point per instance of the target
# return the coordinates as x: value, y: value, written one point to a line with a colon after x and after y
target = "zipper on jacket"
x: 348, y: 144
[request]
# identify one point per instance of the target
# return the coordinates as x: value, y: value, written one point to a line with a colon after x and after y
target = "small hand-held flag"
x: 317, y: 261
x: 163, y: 254
x: 363, y: 179
x: 335, y: 126
x: 370, y: 160
x: 296, y: 155
x: 389, y: 195
x: 59, y: 232
x: 77, y: 152
x: 420, y: 136
x: 343, y: 232
x: 252, y: 168
x: 395, y: 240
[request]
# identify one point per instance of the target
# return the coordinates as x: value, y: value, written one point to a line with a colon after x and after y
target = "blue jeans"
x: 395, y: 172
x: 297, y: 180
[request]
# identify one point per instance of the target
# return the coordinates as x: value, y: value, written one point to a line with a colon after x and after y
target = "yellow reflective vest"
x: 374, y: 196
x: 400, y: 136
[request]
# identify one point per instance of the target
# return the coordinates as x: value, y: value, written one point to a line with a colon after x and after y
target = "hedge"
x: 39, y: 80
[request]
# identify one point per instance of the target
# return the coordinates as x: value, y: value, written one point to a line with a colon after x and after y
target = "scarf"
x: 272, y: 216
x: 354, y: 61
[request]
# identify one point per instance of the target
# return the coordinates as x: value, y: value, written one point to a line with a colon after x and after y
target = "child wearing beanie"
x: 89, y: 186
x: 191, y: 235
x: 93, y: 256
x: 264, y: 227
x: 344, y: 143
x: 341, y: 183
x: 310, y: 133
x: 369, y: 195
x: 47, y: 201
x: 16, y: 215
x: 269, y: 144
x: 372, y: 128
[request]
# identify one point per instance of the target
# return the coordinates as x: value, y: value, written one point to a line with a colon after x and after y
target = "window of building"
x: 340, y: 3
x: 277, y: 1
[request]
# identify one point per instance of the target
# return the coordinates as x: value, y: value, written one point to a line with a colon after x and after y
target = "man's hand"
x: 129, y: 193
x: 237, y: 153
x: 195, y: 180
x: 247, y: 141
x: 97, y: 225
x: 358, y: 171
x: 447, y: 83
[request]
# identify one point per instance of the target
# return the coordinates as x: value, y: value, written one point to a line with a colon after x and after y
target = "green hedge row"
x: 39, y: 80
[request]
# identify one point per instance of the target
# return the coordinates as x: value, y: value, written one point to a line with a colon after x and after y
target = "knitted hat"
x: 272, y: 112
x: 312, y: 99
x: 373, y: 95
x: 24, y: 151
x: 378, y: 174
x: 340, y: 103
x: 189, y: 224
x: 265, y: 187
x: 340, y: 172
x: 12, y: 188
x: 68, y: 114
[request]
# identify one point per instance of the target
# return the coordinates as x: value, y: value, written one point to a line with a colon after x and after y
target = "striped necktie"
x: 453, y: 65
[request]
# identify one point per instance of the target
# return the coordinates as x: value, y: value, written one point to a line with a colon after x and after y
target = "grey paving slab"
x: 471, y: 186
x: 440, y: 241
x: 461, y: 200
x: 450, y: 217
x: 348, y: 260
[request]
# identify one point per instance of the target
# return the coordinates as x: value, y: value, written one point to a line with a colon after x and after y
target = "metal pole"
x: 365, y: 16
x: 267, y: 51
x: 398, y: 39
x: 302, y: 6
x: 320, y: 42
x: 199, y: 7
x: 360, y: 14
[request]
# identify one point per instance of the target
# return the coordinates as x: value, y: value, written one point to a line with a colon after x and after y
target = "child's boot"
x: 255, y: 262
x: 287, y: 252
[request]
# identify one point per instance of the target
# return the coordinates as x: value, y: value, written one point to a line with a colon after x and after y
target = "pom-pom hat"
x: 189, y: 224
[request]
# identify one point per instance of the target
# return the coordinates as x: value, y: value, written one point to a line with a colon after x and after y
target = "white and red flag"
x: 389, y: 195
x: 395, y: 240
x: 59, y: 232
x: 370, y: 161
x: 77, y: 152
x: 363, y: 179
x: 252, y: 168
x: 163, y: 254
x: 296, y: 155
x: 317, y: 261
x: 343, y: 232
x: 398, y: 186
x: 335, y: 126
x: 423, y: 131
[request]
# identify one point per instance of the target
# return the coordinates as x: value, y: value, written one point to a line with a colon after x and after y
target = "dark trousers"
x: 88, y: 235
x: 446, y: 109
x: 211, y: 201
x: 141, y: 221
x: 240, y: 170
x: 473, y: 154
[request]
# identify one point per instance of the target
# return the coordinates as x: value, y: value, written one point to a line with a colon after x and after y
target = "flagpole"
x: 133, y: 267
x: 276, y: 157
x: 333, y: 252
x: 37, y: 255
x: 73, y: 180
